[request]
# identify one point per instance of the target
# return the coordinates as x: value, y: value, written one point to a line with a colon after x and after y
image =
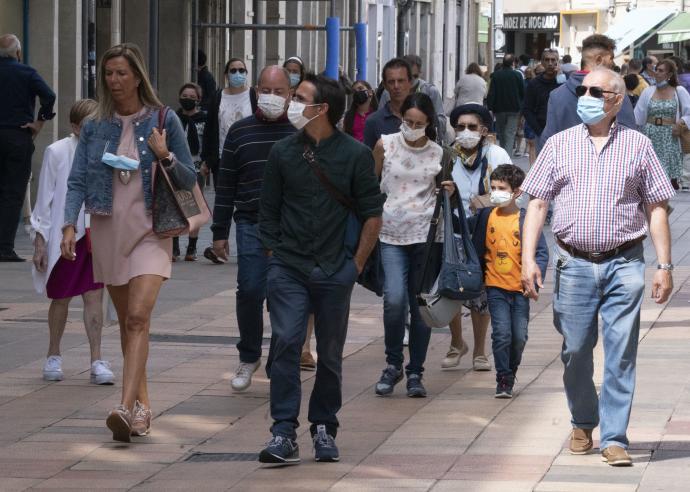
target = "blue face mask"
x: 662, y: 84
x: 237, y: 79
x: 590, y: 110
x: 120, y: 162
x: 294, y: 79
x: 560, y: 78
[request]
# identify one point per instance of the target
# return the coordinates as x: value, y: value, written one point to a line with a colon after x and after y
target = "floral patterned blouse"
x: 408, y: 178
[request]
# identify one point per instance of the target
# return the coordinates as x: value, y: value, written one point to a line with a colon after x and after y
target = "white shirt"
x: 408, y: 178
x: 233, y: 107
x: 48, y: 215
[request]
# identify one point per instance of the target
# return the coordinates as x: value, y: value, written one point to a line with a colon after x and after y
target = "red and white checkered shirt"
x: 598, y: 197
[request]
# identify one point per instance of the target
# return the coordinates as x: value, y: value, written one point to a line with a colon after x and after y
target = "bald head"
x: 274, y: 74
x: 10, y: 47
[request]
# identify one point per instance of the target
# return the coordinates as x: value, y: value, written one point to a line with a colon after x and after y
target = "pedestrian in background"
x: 58, y: 278
x: 634, y: 68
x: 648, y: 68
x: 506, y: 92
x: 568, y: 67
x: 302, y: 226
x: 659, y: 111
x: 20, y: 85
x: 206, y: 81
x: 112, y: 175
x: 471, y: 86
x: 607, y: 184
x: 295, y: 67
x: 193, y: 122
x: 364, y: 103
x: 238, y: 196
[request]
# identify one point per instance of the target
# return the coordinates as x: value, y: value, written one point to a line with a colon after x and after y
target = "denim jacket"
x: 91, y: 181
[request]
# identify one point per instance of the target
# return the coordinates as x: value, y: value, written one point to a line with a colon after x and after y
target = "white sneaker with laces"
x: 243, y: 376
x: 52, y: 369
x: 101, y: 373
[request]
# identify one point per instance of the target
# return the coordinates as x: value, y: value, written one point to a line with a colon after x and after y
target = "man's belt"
x: 658, y: 121
x: 599, y: 257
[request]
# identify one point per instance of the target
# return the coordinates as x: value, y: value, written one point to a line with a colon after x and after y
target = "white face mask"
x: 500, y: 198
x: 271, y: 105
x: 296, y: 116
x: 412, y: 135
x: 468, y: 139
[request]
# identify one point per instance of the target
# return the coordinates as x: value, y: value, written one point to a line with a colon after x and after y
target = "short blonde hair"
x: 83, y: 108
x: 132, y: 53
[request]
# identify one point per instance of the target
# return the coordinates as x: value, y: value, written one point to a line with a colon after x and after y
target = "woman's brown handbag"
x: 175, y: 211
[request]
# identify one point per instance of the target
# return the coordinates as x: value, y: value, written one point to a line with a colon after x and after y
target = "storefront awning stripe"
x: 676, y: 30
x: 636, y: 24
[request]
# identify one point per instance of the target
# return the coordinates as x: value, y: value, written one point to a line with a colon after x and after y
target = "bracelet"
x: 665, y: 266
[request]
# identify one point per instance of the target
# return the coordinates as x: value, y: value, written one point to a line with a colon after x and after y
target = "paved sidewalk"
x: 52, y: 435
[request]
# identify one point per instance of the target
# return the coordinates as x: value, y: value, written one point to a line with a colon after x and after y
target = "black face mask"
x: 187, y: 104
x: 360, y: 97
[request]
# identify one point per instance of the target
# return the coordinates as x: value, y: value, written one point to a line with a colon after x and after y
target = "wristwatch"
x: 167, y: 161
x: 665, y: 266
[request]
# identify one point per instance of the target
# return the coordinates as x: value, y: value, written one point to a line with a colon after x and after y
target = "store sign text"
x: 531, y: 22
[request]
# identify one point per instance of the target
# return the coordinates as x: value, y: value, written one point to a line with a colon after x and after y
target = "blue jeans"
x: 509, y: 318
x: 292, y: 296
x: 252, y: 267
x: 612, y: 289
x: 402, y: 266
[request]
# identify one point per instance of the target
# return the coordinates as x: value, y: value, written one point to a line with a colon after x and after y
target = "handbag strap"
x: 330, y: 187
x: 162, y: 114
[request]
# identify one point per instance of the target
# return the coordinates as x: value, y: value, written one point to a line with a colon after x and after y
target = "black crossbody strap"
x: 330, y: 187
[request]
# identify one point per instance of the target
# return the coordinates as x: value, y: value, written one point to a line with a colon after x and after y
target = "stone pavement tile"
x: 230, y: 472
x: 32, y: 468
x: 118, y: 466
x: 395, y: 445
x: 580, y: 487
x: 601, y: 473
x: 403, y: 466
x: 500, y: 467
x: 371, y: 485
x: 209, y: 485
x: 482, y: 486
x: 46, y: 451
x: 139, y: 452
x: 93, y: 480
x: 11, y: 484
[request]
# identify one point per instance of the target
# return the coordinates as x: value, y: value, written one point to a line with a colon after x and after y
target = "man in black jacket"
x: 535, y: 105
x: 206, y: 81
x: 506, y: 90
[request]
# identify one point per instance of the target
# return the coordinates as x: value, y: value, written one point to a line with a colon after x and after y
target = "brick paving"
x: 52, y: 435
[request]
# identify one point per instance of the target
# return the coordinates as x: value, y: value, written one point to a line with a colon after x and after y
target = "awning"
x: 638, y: 25
x: 676, y: 30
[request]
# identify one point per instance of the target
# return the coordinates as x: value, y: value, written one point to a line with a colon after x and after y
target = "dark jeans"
x: 252, y: 266
x: 16, y: 147
x: 402, y: 266
x: 509, y: 318
x: 291, y: 296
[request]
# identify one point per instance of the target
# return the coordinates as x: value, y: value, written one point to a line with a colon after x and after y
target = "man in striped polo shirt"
x: 238, y: 193
x: 607, y: 185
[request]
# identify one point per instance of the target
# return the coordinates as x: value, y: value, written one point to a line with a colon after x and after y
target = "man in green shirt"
x: 302, y: 227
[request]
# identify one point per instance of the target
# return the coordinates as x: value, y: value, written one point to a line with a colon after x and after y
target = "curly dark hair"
x: 598, y: 41
x: 508, y: 173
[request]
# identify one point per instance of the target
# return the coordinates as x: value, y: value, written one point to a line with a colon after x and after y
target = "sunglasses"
x: 471, y: 127
x: 594, y: 91
x: 235, y: 70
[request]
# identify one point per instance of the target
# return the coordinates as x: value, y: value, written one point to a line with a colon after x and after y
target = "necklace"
x: 124, y: 176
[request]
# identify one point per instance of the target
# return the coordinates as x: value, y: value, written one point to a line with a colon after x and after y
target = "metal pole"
x: 270, y: 27
x: 194, y: 76
x: 332, y: 8
x: 153, y: 43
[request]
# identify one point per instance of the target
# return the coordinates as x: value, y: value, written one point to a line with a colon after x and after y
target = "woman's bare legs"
x: 134, y: 304
x: 57, y: 319
x: 480, y: 325
x: 456, y: 331
x: 93, y: 320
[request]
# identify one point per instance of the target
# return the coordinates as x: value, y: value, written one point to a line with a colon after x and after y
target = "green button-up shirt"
x: 299, y: 220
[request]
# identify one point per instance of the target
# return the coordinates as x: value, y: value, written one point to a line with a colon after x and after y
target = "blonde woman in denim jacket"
x: 112, y: 175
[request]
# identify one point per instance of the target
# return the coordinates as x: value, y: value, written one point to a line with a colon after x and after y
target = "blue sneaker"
x: 415, y: 388
x: 325, y: 450
x: 504, y: 389
x: 280, y: 450
x: 389, y: 378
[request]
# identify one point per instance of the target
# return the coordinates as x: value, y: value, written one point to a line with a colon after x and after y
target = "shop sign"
x: 531, y: 22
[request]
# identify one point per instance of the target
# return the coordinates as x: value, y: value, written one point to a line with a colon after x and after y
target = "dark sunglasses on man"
x: 594, y: 91
x: 235, y: 70
x: 473, y: 127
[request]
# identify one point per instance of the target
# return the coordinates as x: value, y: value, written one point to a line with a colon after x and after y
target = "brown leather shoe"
x: 307, y: 362
x: 119, y: 421
x: 616, y: 456
x: 141, y: 423
x: 580, y: 441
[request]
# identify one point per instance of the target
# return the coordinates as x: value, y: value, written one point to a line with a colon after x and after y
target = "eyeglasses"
x: 235, y: 70
x: 414, y: 125
x: 594, y: 91
x: 473, y: 127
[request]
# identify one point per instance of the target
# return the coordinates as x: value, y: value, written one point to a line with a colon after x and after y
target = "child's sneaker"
x: 504, y: 389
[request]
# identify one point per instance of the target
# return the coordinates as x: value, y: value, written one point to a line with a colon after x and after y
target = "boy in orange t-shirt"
x: 497, y: 237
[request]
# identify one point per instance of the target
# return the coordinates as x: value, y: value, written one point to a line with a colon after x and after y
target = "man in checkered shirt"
x: 607, y: 185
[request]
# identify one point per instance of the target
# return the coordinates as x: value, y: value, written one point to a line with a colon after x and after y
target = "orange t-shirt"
x: 503, y: 251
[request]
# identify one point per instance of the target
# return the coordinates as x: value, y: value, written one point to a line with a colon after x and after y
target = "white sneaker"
x: 243, y: 376
x: 52, y: 369
x: 101, y: 373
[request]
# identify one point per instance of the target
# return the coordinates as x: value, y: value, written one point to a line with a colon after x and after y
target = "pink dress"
x: 124, y: 245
